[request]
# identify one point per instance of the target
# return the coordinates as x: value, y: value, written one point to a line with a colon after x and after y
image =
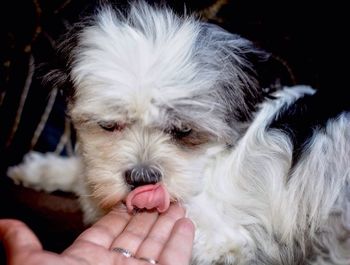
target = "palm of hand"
x: 167, y: 238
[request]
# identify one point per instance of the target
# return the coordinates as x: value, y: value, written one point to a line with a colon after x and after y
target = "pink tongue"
x: 149, y: 197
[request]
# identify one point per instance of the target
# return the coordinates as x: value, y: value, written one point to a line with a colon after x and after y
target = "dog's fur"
x: 266, y: 179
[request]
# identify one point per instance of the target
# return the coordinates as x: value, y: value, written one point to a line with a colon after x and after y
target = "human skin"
x: 166, y: 237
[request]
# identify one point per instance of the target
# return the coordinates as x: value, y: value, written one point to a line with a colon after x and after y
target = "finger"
x: 17, y: 238
x: 136, y: 231
x: 104, y: 231
x: 120, y: 259
x: 152, y: 246
x: 178, y: 249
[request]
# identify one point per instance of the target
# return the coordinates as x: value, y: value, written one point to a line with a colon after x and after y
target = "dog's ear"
x: 55, y: 71
x: 234, y: 58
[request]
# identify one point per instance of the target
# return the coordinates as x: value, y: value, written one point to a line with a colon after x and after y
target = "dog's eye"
x: 179, y: 133
x: 111, y: 126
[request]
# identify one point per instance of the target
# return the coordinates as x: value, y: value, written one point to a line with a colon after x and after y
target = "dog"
x: 168, y: 108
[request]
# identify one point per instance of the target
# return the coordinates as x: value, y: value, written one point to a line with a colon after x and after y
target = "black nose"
x: 142, y: 175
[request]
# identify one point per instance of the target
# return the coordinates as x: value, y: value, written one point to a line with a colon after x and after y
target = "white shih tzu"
x: 167, y: 108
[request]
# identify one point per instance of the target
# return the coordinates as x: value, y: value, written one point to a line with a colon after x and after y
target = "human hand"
x: 167, y: 238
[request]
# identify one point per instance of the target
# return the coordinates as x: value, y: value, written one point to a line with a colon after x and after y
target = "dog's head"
x: 154, y: 97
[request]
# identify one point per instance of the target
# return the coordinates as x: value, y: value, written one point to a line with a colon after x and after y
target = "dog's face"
x: 138, y: 144
x: 155, y: 97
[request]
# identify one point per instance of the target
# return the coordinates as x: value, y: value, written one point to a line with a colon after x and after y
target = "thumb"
x: 17, y: 238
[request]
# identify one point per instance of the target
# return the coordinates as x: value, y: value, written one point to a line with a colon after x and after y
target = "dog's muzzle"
x: 142, y: 175
x: 147, y: 191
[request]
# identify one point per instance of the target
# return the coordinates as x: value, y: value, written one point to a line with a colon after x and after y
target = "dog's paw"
x: 47, y: 172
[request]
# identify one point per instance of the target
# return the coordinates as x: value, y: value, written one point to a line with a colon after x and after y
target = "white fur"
x: 47, y: 172
x: 151, y: 71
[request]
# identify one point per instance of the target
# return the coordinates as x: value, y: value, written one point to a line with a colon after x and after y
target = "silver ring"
x: 124, y: 252
x: 151, y: 261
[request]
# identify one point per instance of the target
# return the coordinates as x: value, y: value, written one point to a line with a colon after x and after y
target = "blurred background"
x: 306, y: 40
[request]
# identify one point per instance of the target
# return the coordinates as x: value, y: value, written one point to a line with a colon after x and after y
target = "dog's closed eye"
x: 111, y: 126
x: 188, y: 137
x: 179, y: 133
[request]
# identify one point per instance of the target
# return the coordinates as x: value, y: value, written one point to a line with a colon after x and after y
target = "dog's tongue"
x: 150, y: 197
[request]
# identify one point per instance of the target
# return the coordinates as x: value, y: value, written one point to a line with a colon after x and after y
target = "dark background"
x: 305, y: 38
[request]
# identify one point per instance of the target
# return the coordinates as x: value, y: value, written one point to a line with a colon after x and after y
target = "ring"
x: 124, y: 252
x: 152, y: 261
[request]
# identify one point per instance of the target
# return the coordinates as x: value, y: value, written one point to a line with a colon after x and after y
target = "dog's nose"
x: 142, y: 175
